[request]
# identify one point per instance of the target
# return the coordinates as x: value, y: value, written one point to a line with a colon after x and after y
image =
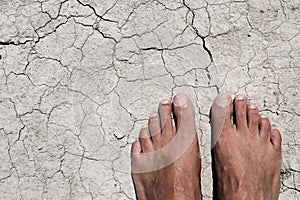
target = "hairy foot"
x: 181, y: 178
x: 247, y: 155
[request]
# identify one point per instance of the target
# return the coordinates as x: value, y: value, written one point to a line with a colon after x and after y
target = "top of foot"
x: 165, y: 158
x: 247, y: 152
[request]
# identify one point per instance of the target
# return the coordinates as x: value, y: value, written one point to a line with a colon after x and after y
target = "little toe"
x: 252, y: 118
x: 155, y: 130
x: 264, y: 126
x: 165, y: 110
x: 145, y: 140
x: 240, y: 109
x: 276, y: 139
x: 136, y: 147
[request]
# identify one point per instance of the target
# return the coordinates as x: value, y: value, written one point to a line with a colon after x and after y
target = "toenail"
x: 180, y: 101
x: 240, y: 97
x: 252, y: 106
x: 153, y: 115
x: 222, y: 100
x: 145, y: 126
x: 165, y: 102
x: 263, y: 116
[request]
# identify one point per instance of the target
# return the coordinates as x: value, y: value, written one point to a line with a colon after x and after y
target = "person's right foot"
x: 160, y: 142
x: 247, y: 155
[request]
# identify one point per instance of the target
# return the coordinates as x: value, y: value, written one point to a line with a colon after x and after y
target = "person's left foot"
x: 180, y: 179
x: 247, y: 154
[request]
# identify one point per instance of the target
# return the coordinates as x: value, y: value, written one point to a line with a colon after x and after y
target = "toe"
x: 276, y: 139
x: 155, y: 130
x: 252, y: 118
x: 184, y: 112
x: 220, y: 117
x: 136, y: 147
x: 264, y: 126
x: 145, y: 140
x: 174, y: 130
x: 221, y: 111
x: 240, y: 108
x: 165, y: 110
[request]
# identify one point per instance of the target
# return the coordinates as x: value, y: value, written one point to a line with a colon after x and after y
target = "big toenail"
x: 240, y: 97
x: 181, y: 101
x: 165, y: 102
x: 222, y: 100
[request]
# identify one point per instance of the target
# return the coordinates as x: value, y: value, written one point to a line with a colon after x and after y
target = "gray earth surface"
x: 80, y: 77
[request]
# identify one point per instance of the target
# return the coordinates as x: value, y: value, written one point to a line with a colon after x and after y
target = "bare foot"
x: 247, y: 156
x: 180, y: 179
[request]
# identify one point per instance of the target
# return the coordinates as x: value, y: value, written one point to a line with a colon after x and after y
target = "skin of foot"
x: 247, y: 155
x: 181, y: 179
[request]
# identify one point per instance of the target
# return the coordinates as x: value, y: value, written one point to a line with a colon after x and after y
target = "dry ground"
x: 79, y: 78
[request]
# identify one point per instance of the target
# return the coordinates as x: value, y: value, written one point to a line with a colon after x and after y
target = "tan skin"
x: 246, y: 158
x: 181, y: 179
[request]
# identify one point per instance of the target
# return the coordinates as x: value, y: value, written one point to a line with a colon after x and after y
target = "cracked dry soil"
x: 79, y: 78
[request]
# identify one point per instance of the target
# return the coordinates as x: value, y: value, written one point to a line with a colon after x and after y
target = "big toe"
x: 221, y: 111
x: 185, y: 136
x: 220, y: 116
x: 184, y: 113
